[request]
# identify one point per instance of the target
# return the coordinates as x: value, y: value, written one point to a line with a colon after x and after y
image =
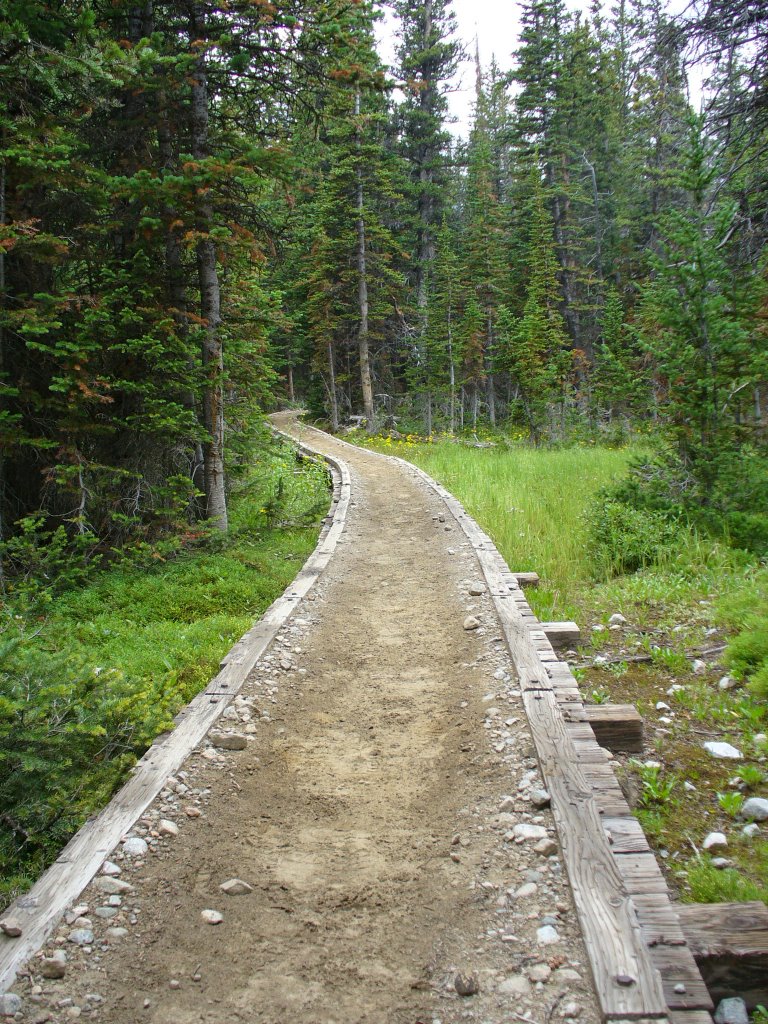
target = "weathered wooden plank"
x: 527, y: 579
x: 42, y: 907
x: 729, y: 942
x: 626, y: 835
x: 616, y: 726
x: 606, y: 912
x: 684, y: 987
x: 690, y: 1017
x: 562, y: 634
x: 641, y: 874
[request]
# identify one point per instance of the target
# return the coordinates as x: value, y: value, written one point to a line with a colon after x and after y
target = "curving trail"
x: 365, y: 814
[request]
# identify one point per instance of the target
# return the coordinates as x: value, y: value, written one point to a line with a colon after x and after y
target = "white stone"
x: 117, y: 933
x: 476, y: 589
x: 81, y: 936
x: 228, y: 740
x: 212, y: 916
x: 750, y: 831
x: 112, y: 886
x: 617, y: 619
x: 527, y: 889
x: 471, y: 623
x: 755, y: 808
x: 727, y: 683
x: 723, y: 750
x: 540, y: 972
x: 600, y: 660
x: 546, y: 847
x: 236, y: 887
x: 167, y: 827
x: 110, y: 868
x: 525, y: 831
x: 699, y: 667
x: 714, y: 840
x: 134, y: 846
x: 547, y: 935
x: 661, y: 706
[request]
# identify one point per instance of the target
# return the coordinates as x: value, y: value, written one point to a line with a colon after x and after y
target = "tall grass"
x: 531, y: 502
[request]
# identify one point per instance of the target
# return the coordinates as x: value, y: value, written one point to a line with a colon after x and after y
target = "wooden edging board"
x: 642, y: 967
x: 42, y: 907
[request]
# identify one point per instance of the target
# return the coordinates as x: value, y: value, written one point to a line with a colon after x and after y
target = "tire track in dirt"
x: 388, y: 758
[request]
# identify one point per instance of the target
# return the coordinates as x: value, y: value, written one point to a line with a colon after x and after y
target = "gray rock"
x: 617, y: 619
x: 727, y: 683
x: 755, y: 808
x: 134, y: 846
x: 236, y: 887
x: 167, y: 827
x: 117, y: 933
x: 228, y: 740
x: 547, y: 935
x: 81, y: 936
x: 699, y: 667
x: 110, y: 868
x: 714, y: 840
x: 723, y: 750
x: 105, y: 913
x: 731, y: 1011
x: 476, y: 589
x: 112, y: 886
x: 567, y: 974
x: 750, y: 831
x: 528, y: 889
x: 11, y: 926
x: 9, y: 1004
x: 540, y: 798
x: 518, y: 985
x: 53, y: 968
x: 721, y: 863
x: 526, y: 832
x: 471, y: 623
x: 212, y: 916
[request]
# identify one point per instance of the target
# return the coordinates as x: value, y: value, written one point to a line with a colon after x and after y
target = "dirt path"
x: 387, y: 761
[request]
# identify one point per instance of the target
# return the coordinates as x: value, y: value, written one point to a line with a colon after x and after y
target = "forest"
x: 211, y: 208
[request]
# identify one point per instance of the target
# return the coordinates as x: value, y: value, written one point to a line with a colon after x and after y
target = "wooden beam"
x: 561, y: 634
x: 729, y: 942
x: 616, y: 726
x: 527, y: 579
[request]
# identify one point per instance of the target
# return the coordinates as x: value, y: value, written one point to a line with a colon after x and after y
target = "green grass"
x: 531, y: 502
x: 85, y: 689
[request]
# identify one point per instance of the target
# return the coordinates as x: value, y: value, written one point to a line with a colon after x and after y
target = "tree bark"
x: 210, y: 312
x: 362, y: 290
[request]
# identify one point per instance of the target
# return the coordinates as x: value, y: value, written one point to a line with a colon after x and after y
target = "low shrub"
x: 623, y: 539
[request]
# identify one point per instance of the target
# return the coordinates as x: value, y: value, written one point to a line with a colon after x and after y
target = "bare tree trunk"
x: 333, y: 397
x: 362, y: 290
x: 177, y: 290
x: 210, y: 311
x: 291, y: 392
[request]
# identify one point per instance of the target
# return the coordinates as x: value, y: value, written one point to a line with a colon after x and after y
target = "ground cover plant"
x: 690, y: 653
x: 90, y: 676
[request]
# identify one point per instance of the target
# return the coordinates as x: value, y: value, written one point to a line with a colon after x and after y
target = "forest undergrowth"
x: 692, y: 653
x: 92, y: 671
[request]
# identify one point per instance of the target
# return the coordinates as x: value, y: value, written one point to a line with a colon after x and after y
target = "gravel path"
x: 375, y: 815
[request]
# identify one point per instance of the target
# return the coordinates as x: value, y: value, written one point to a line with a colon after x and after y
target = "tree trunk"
x: 210, y: 312
x: 362, y: 291
x: 2, y: 368
x: 332, y: 396
x: 291, y: 392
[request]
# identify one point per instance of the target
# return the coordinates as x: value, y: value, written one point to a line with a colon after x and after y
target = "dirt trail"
x: 368, y: 813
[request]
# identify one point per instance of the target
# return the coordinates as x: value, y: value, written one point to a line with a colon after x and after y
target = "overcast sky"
x: 495, y: 24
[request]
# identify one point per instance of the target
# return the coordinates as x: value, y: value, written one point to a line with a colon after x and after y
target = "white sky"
x: 495, y: 24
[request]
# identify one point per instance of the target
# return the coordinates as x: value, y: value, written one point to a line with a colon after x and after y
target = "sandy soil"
x: 368, y: 814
